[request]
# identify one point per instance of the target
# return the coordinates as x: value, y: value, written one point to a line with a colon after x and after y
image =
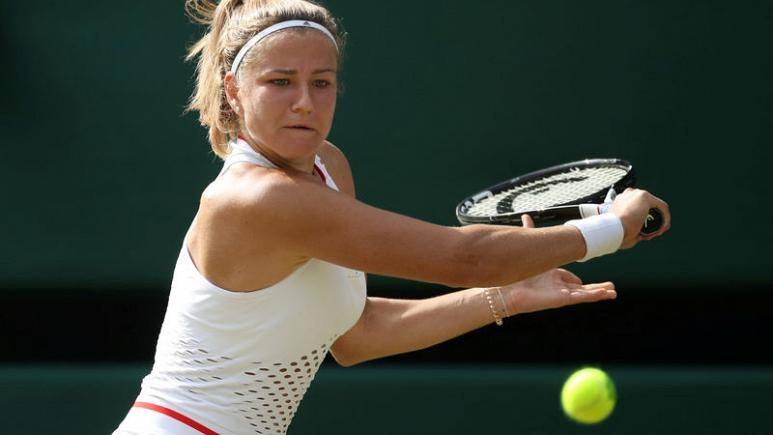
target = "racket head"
x: 580, y: 182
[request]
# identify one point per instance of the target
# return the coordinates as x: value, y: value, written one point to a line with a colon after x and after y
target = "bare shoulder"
x: 248, y: 190
x: 338, y: 166
x: 243, y: 236
x: 230, y: 203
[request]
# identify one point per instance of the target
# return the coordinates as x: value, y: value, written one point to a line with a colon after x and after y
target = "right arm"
x: 306, y: 219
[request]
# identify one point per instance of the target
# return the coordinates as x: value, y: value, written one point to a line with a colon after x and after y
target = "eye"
x: 280, y: 82
x: 320, y: 83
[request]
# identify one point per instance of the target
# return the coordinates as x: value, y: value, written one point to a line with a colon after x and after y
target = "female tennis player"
x: 270, y: 276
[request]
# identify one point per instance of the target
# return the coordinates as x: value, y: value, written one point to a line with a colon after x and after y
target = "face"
x: 286, y: 97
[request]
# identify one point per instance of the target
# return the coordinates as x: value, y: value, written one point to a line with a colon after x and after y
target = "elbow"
x: 346, y: 363
x: 346, y: 351
x: 345, y: 359
x: 353, y: 348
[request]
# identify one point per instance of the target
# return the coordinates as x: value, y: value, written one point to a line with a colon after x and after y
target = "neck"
x: 305, y: 164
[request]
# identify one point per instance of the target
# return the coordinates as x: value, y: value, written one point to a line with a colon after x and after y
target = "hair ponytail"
x: 230, y: 24
x: 209, y: 96
x: 200, y: 11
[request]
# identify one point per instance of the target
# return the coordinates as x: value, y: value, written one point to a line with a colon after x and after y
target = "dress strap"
x: 240, y: 151
x: 320, y: 167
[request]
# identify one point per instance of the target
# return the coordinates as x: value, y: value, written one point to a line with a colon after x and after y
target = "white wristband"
x: 603, y: 234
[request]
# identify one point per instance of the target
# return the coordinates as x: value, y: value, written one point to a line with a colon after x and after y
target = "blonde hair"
x: 231, y: 23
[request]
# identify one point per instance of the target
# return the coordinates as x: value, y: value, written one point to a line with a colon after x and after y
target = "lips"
x: 300, y: 127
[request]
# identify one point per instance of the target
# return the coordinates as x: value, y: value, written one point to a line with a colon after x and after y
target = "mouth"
x: 300, y: 127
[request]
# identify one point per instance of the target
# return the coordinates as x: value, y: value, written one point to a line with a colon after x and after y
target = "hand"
x: 632, y: 207
x: 552, y: 289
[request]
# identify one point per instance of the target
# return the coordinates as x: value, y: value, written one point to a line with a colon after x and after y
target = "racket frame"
x: 558, y: 212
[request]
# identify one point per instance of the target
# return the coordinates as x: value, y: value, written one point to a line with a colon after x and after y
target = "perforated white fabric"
x: 240, y: 363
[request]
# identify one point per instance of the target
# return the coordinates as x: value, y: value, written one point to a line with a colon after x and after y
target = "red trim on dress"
x: 320, y: 173
x: 177, y: 416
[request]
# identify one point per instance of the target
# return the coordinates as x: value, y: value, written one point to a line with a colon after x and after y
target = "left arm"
x: 394, y: 326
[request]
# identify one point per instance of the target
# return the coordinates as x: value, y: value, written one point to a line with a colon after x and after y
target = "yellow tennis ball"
x: 588, y: 396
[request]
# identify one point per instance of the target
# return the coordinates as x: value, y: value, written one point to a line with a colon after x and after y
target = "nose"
x: 303, y: 103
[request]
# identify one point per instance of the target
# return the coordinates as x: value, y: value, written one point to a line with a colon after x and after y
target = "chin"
x: 298, y: 149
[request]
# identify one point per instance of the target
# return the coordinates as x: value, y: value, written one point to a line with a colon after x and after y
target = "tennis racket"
x: 555, y: 195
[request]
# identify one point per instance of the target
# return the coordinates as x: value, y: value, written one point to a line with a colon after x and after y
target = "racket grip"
x: 651, y: 225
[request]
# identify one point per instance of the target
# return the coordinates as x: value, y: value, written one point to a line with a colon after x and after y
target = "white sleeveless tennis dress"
x: 239, y: 363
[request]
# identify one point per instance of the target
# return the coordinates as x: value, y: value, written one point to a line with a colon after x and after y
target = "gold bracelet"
x: 504, y: 304
x: 497, y: 317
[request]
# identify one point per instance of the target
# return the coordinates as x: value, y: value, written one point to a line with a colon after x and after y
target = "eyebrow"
x: 293, y: 72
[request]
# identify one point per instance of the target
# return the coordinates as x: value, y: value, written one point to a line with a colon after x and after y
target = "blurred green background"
x: 436, y: 400
x: 101, y: 173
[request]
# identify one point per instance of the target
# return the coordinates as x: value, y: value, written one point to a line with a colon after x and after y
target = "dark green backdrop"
x: 100, y: 174
x: 439, y: 401
x: 101, y: 171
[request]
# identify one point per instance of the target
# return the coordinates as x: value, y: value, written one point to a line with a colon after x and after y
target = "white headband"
x: 275, y: 28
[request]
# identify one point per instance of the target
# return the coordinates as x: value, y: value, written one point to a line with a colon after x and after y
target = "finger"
x: 569, y: 277
x: 578, y: 297
x: 662, y: 206
x: 665, y: 210
x: 608, y: 285
x: 527, y: 221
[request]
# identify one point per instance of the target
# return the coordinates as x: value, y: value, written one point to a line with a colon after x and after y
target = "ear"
x: 232, y: 92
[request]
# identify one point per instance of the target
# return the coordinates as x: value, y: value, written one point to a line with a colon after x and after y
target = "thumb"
x: 527, y: 221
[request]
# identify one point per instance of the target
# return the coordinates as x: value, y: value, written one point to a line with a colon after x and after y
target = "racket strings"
x: 550, y: 191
